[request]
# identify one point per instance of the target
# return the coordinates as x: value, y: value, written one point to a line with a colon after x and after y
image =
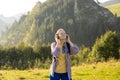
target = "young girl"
x: 61, y: 51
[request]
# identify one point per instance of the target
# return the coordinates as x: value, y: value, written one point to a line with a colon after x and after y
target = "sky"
x: 13, y: 7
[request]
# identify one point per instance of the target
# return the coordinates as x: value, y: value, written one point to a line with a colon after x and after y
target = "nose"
x: 63, y: 34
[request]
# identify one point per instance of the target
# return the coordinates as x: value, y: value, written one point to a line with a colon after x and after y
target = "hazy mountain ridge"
x: 6, y: 22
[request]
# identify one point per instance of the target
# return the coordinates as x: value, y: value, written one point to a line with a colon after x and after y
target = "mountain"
x: 2, y: 23
x: 5, y: 23
x: 110, y: 2
x: 6, y: 20
x: 83, y: 20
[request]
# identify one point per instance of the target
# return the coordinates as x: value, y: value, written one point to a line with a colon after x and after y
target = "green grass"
x: 115, y: 9
x: 100, y: 71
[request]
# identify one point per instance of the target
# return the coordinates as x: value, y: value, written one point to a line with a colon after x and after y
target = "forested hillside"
x: 83, y: 20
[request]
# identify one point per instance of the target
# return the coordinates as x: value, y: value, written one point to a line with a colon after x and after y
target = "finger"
x: 68, y: 36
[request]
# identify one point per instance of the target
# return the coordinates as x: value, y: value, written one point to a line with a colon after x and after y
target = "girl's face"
x: 62, y: 35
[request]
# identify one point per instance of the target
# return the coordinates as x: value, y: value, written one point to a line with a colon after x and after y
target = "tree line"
x: 23, y: 56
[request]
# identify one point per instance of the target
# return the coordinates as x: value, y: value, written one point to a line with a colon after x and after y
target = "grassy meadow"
x: 115, y: 9
x: 100, y: 71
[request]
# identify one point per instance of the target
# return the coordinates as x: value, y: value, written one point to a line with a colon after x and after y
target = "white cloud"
x: 12, y: 7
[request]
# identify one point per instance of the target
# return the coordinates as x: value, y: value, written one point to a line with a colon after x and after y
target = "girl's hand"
x: 68, y: 38
x: 69, y: 41
x: 57, y: 40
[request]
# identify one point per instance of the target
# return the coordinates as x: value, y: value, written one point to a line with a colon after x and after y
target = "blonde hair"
x: 60, y: 29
